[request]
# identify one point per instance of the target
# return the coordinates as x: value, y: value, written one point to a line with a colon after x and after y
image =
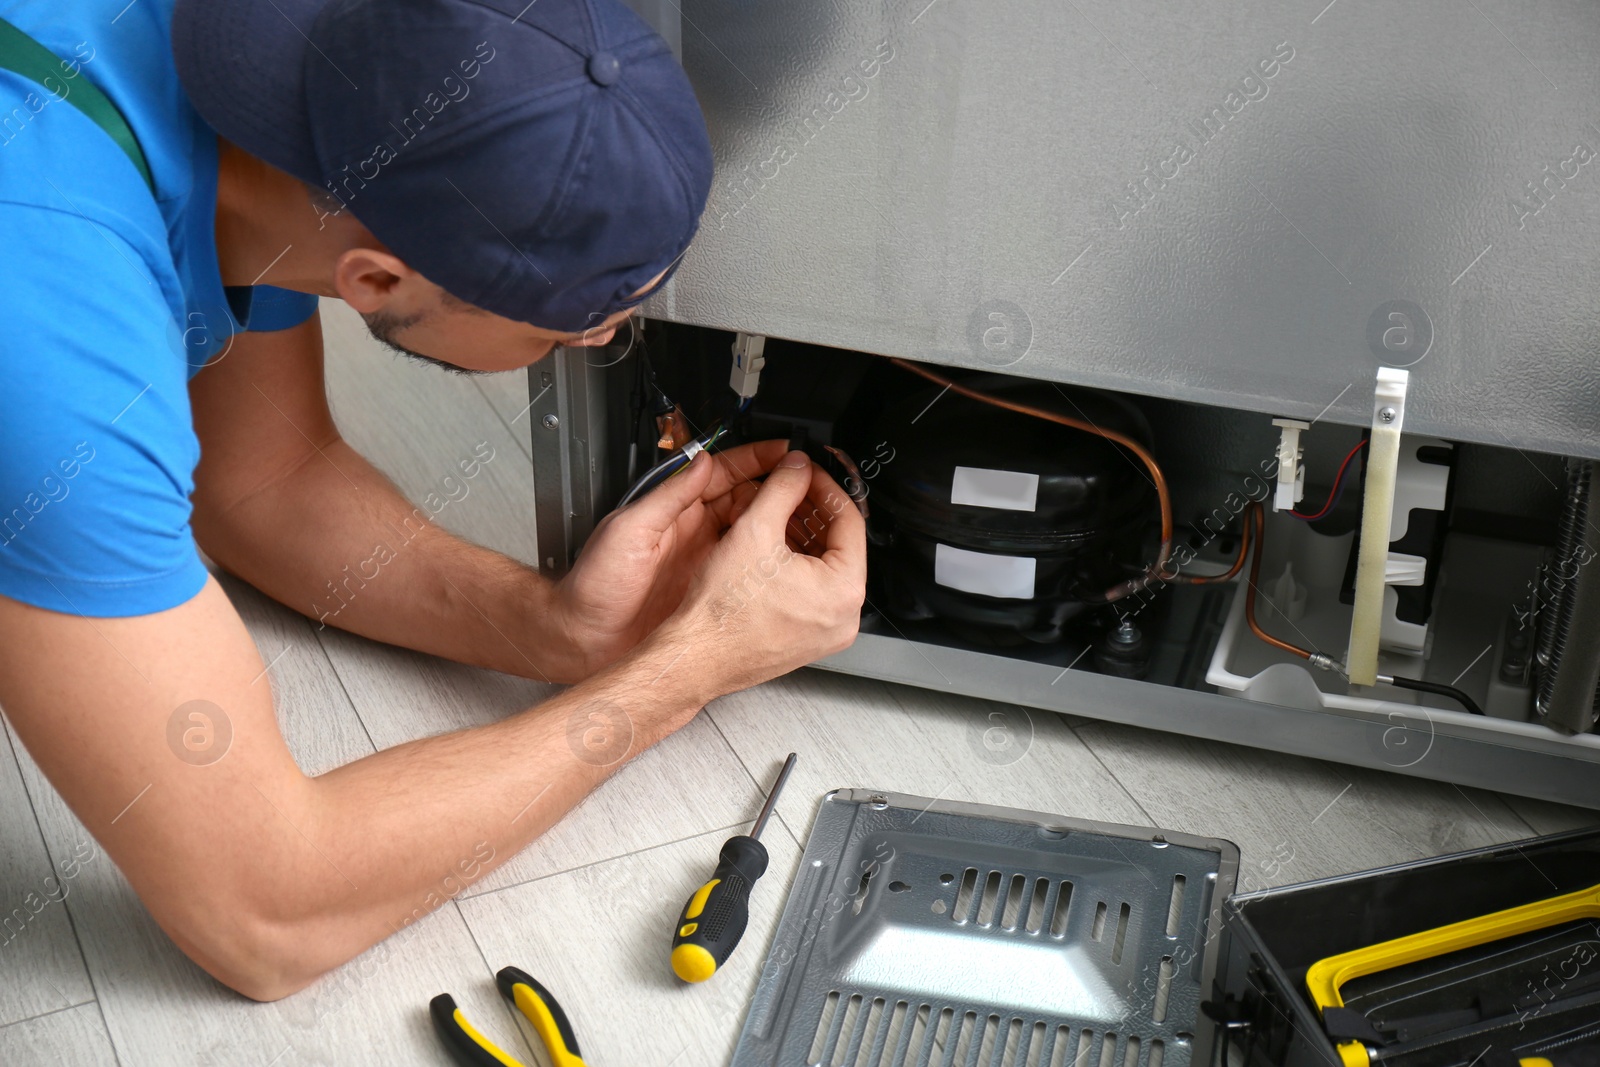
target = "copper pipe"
x: 1258, y: 519
x: 1238, y: 562
x: 1156, y: 477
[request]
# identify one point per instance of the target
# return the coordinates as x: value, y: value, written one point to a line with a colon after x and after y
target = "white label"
x: 979, y: 487
x: 1010, y: 577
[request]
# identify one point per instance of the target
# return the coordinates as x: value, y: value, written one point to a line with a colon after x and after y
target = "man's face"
x: 460, y: 337
x: 413, y: 316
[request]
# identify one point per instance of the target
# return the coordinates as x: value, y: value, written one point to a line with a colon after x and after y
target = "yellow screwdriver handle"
x: 715, y: 915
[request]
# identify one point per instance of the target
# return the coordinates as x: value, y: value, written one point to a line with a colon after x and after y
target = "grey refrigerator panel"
x: 1251, y: 204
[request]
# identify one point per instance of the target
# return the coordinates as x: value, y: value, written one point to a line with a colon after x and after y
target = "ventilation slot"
x: 1036, y: 903
x: 1122, y: 932
x: 830, y: 1006
x: 1011, y: 917
x: 1061, y: 1047
x: 1058, y: 919
x: 1035, y: 1056
x: 915, y: 1050
x: 1108, y: 1050
x: 966, y: 1031
x: 1158, y: 1052
x: 1085, y: 1042
x: 1098, y: 930
x: 969, y: 882
x: 1158, y: 1011
x: 1013, y: 1046
x: 991, y: 898
x: 1175, y: 907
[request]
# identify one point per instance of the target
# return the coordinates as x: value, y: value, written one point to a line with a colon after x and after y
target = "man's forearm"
x: 335, y: 540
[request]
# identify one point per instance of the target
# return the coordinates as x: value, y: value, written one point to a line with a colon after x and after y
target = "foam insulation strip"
x: 1377, y: 518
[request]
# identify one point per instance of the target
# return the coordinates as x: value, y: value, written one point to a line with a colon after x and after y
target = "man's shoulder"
x: 54, y: 158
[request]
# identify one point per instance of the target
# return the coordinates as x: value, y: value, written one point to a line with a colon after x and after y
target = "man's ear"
x: 370, y: 280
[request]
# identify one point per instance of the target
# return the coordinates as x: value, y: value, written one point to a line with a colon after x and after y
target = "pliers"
x: 472, y: 1049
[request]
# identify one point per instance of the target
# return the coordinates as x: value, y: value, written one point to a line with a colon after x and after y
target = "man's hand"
x: 636, y: 566
x: 783, y: 587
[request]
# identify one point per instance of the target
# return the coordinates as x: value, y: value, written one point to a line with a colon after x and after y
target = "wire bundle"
x: 1337, y: 492
x: 683, y: 457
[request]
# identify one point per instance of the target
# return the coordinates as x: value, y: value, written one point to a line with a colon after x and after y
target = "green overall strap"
x: 22, y: 55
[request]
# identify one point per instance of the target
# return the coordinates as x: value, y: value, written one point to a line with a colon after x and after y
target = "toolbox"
x: 1502, y: 1000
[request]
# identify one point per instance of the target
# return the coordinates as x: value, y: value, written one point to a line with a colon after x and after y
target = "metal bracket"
x: 568, y: 423
x: 1377, y: 518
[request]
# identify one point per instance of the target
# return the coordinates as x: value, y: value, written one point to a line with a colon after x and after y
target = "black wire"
x: 1438, y: 690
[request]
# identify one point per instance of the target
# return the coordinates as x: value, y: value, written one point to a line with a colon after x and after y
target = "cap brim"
x: 242, y: 65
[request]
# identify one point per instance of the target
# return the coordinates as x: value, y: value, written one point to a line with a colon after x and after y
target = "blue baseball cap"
x: 539, y: 159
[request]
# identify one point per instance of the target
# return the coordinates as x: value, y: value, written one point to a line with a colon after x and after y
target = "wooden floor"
x: 91, y: 980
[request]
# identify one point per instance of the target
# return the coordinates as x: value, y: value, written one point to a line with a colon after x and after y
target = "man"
x: 481, y: 181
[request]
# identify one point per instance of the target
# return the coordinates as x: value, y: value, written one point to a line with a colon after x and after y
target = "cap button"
x: 604, y: 68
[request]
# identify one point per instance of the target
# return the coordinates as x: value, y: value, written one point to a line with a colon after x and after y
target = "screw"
x: 879, y: 801
x: 550, y: 422
x: 1386, y: 414
x: 1126, y: 633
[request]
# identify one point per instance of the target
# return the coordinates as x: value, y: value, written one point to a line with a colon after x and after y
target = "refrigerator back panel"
x: 1237, y: 202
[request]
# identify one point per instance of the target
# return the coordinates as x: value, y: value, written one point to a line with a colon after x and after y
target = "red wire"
x: 1338, y: 480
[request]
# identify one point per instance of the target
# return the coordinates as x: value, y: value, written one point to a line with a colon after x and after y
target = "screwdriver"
x: 714, y: 919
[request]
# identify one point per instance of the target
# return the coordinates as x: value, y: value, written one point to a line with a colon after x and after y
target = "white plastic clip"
x: 749, y: 356
x: 1291, y: 475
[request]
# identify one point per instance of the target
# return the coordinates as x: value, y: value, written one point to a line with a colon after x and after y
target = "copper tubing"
x: 1257, y: 518
x: 1238, y: 562
x: 1156, y: 477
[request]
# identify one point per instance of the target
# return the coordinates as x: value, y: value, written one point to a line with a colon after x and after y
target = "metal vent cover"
x: 925, y: 933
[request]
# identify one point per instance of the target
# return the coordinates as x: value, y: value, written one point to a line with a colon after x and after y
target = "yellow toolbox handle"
x: 1326, y: 978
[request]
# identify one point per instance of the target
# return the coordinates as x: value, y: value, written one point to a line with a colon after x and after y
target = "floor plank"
x: 416, y: 422
x: 1296, y: 819
x: 861, y: 733
x: 75, y: 1036
x: 618, y: 989
x: 686, y: 785
x: 41, y: 968
x: 1547, y: 818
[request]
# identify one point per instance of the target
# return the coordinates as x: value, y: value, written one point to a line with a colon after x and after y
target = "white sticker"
x: 1010, y: 577
x: 983, y: 488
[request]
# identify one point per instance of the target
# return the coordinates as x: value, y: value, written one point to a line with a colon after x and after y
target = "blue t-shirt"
x: 110, y: 301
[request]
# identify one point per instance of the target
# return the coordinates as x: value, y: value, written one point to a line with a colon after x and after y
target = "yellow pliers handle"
x: 533, y: 1000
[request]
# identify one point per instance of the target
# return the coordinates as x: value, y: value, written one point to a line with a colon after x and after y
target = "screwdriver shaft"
x: 772, y: 798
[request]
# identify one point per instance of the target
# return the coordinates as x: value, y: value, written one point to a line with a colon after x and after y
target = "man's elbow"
x: 260, y: 958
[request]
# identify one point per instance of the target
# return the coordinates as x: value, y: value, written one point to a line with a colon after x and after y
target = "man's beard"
x: 385, y: 325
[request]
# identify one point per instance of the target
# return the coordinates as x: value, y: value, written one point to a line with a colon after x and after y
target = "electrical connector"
x: 1291, y: 475
x: 748, y: 359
